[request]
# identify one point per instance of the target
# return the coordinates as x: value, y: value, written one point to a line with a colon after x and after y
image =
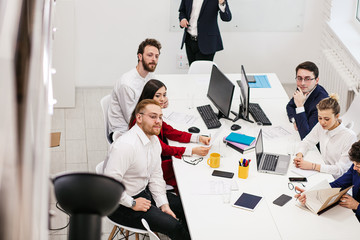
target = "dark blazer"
x: 209, y: 39
x: 351, y: 177
x: 305, y: 121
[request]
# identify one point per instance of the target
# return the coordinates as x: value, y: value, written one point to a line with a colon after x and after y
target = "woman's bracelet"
x: 313, y: 166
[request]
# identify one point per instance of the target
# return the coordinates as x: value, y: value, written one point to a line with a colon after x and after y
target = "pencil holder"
x: 243, y: 172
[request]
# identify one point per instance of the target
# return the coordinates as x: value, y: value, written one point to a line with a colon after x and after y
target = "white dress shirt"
x: 124, y: 98
x: 135, y: 160
x: 194, y: 16
x: 334, y: 146
x: 194, y: 139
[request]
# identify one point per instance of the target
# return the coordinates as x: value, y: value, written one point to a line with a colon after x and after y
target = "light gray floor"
x: 83, y: 145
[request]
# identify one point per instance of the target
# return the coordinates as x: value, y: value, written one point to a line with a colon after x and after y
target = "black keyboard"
x: 258, y: 114
x: 209, y: 117
x: 270, y: 162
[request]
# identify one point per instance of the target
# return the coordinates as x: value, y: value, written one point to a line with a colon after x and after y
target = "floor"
x: 83, y: 146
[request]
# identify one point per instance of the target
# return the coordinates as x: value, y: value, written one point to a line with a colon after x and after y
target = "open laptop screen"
x: 259, y: 149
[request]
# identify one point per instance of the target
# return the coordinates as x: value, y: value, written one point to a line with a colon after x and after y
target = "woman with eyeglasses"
x: 351, y: 177
x: 155, y: 89
x: 334, y: 138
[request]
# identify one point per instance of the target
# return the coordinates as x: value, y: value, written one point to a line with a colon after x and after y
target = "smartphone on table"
x: 297, y: 179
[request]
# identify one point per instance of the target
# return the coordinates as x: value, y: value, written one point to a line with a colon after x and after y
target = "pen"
x: 248, y: 162
x: 244, y: 162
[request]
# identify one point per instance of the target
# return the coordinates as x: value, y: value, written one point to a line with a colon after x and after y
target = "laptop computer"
x: 270, y: 162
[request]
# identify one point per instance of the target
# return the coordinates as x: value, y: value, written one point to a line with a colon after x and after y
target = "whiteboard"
x: 255, y: 16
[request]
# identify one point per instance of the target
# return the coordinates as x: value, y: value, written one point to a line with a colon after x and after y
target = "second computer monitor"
x: 220, y: 92
x: 245, y: 94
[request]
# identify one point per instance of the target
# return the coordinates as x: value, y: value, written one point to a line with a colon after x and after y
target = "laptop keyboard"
x: 270, y: 162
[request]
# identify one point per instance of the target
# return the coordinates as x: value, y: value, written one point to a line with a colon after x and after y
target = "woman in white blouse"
x: 334, y: 138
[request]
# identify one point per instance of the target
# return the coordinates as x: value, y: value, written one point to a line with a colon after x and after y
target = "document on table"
x: 304, y: 173
x: 275, y: 132
x: 215, y: 135
x: 179, y: 117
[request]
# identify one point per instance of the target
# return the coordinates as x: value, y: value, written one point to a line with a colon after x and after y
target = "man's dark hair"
x: 354, y: 152
x: 148, y: 42
x: 310, y: 66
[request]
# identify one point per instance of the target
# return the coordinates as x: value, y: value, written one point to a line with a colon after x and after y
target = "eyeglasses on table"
x: 193, y: 161
x: 292, y: 187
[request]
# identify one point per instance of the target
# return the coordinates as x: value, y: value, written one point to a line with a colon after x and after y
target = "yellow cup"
x: 214, y: 160
x: 243, y: 172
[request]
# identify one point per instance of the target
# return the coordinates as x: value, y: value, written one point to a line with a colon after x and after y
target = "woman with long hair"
x: 155, y: 89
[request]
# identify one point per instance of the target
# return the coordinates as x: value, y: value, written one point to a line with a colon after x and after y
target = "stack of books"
x: 240, y: 142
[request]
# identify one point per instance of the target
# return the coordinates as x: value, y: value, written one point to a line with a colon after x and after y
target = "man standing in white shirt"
x: 128, y: 88
x: 134, y: 159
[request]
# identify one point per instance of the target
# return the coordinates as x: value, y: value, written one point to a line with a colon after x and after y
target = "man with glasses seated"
x: 134, y: 159
x: 351, y: 177
x: 301, y: 109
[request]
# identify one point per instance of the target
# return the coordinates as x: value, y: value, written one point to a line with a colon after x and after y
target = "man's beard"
x: 147, y: 67
x: 151, y: 131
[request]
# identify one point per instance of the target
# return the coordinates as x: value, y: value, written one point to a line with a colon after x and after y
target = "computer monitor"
x: 220, y: 92
x: 244, y: 96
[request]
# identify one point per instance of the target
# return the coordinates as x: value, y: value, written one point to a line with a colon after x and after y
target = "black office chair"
x: 87, y: 197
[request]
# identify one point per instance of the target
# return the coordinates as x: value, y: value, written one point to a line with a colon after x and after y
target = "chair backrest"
x: 351, y: 118
x: 201, y: 67
x: 105, y: 103
x: 99, y: 168
x: 152, y: 235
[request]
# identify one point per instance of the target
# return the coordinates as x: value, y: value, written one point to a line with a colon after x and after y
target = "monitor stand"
x: 221, y: 115
x: 240, y: 115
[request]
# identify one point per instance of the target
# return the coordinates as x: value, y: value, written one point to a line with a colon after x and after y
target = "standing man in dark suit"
x: 201, y: 34
x: 301, y: 109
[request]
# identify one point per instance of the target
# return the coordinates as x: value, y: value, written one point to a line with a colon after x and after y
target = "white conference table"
x: 207, y: 216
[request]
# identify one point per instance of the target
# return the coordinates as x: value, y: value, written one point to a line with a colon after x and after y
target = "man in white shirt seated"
x: 128, y: 88
x: 134, y: 159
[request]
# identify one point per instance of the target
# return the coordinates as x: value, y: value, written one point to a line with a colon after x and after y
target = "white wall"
x: 108, y: 32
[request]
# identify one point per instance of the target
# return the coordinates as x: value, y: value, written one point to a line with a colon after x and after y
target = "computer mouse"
x: 194, y: 130
x: 235, y: 127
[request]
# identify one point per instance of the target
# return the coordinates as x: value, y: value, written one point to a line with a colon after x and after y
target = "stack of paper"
x: 242, y: 148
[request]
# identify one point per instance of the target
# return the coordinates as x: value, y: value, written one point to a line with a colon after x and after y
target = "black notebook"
x: 247, y: 201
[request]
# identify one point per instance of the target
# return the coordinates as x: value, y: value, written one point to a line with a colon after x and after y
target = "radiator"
x: 338, y: 78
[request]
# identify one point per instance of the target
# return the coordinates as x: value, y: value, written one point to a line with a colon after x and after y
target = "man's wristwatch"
x: 133, y: 203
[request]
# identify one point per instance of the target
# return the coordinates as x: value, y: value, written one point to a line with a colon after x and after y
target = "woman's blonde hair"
x: 331, y: 102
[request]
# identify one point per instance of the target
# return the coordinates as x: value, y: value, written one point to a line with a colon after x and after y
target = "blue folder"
x: 240, y: 138
x: 262, y: 81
